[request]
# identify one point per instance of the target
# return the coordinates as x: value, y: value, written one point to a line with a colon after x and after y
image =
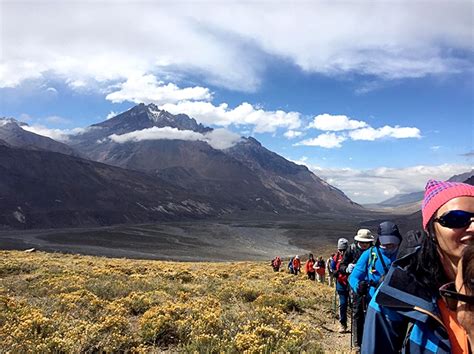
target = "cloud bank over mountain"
x: 217, y: 138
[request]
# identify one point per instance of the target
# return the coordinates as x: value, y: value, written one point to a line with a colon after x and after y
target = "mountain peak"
x: 145, y: 116
x: 4, y: 121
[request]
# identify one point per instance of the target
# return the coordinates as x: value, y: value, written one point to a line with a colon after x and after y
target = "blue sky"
x: 375, y: 97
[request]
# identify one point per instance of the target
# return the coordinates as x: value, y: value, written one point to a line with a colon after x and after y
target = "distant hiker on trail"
x: 330, y: 270
x: 459, y: 296
x: 309, y: 266
x: 362, y: 241
x: 320, y: 269
x: 290, y: 266
x: 341, y: 283
x: 296, y: 265
x: 369, y: 271
x: 407, y: 312
x: 276, y: 264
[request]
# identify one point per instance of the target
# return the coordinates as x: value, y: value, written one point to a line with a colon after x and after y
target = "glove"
x: 350, y: 268
x: 362, y: 288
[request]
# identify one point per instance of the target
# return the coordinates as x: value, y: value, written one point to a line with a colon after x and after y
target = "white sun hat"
x: 364, y: 235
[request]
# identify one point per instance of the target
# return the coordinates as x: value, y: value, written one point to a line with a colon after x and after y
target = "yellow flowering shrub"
x: 72, y: 303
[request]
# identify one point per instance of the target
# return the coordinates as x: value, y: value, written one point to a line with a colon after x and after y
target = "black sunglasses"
x: 451, y: 296
x: 455, y: 219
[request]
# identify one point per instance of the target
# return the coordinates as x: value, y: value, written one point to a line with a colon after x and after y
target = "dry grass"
x: 70, y: 303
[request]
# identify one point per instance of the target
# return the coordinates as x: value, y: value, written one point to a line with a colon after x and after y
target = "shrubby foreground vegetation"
x: 71, y: 303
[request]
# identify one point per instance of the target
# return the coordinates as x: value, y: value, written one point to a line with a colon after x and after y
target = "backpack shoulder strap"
x: 385, y: 269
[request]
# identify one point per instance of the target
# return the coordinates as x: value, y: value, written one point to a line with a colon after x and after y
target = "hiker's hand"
x: 350, y: 268
x: 362, y: 288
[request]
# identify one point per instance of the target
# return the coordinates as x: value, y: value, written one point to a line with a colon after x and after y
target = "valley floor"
x: 71, y: 303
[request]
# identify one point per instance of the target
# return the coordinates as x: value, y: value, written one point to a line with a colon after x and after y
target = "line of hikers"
x: 412, y: 294
x: 314, y: 269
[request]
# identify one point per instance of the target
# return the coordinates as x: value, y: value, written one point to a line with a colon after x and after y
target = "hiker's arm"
x: 360, y: 272
x: 348, y: 257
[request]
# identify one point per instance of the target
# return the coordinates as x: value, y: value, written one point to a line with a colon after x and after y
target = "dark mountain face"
x: 247, y: 173
x: 13, y: 135
x: 147, y: 116
x: 294, y: 185
x: 44, y: 189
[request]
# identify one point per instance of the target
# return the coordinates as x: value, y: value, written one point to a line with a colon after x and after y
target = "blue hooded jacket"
x: 369, y: 268
x: 403, y: 316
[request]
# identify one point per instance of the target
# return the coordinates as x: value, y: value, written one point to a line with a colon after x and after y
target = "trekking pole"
x: 351, y: 302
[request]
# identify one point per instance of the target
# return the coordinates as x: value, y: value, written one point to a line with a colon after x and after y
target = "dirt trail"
x: 335, y: 342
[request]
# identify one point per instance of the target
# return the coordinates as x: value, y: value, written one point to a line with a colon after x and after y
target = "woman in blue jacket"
x: 406, y: 313
x: 371, y: 267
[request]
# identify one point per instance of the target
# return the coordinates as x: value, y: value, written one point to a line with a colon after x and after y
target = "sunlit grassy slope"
x: 71, y: 303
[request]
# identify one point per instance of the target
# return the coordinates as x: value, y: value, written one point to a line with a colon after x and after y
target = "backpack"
x: 337, y: 259
x: 410, y: 242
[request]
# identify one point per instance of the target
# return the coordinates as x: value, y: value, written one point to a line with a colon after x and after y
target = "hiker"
x: 369, y: 271
x: 341, y: 283
x: 290, y: 266
x: 276, y: 264
x: 461, y: 293
x: 320, y: 267
x: 330, y: 270
x: 407, y: 312
x: 363, y: 240
x: 309, y: 266
x: 296, y: 265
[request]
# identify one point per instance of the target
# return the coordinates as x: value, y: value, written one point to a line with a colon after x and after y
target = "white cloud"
x: 55, y: 134
x: 291, y: 134
x: 378, y: 184
x: 396, y: 132
x: 244, y: 114
x: 229, y: 48
x: 111, y: 115
x: 52, y: 90
x: 326, y: 140
x: 330, y: 122
x: 147, y: 89
x: 353, y: 129
x: 218, y: 138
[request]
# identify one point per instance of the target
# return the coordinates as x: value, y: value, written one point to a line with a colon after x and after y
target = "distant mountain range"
x: 408, y: 199
x: 413, y: 220
x: 12, y: 133
x: 147, y: 165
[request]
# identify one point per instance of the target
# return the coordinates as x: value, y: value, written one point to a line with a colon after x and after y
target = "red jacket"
x: 296, y: 264
x: 341, y: 278
x: 309, y: 266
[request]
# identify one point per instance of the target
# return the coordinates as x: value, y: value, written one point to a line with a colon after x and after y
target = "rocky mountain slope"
x: 45, y: 189
x: 12, y: 133
x: 245, y: 172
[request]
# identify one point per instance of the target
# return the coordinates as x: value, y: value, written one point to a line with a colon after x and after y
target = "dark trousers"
x: 358, y: 308
x: 343, y: 301
x: 312, y: 275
